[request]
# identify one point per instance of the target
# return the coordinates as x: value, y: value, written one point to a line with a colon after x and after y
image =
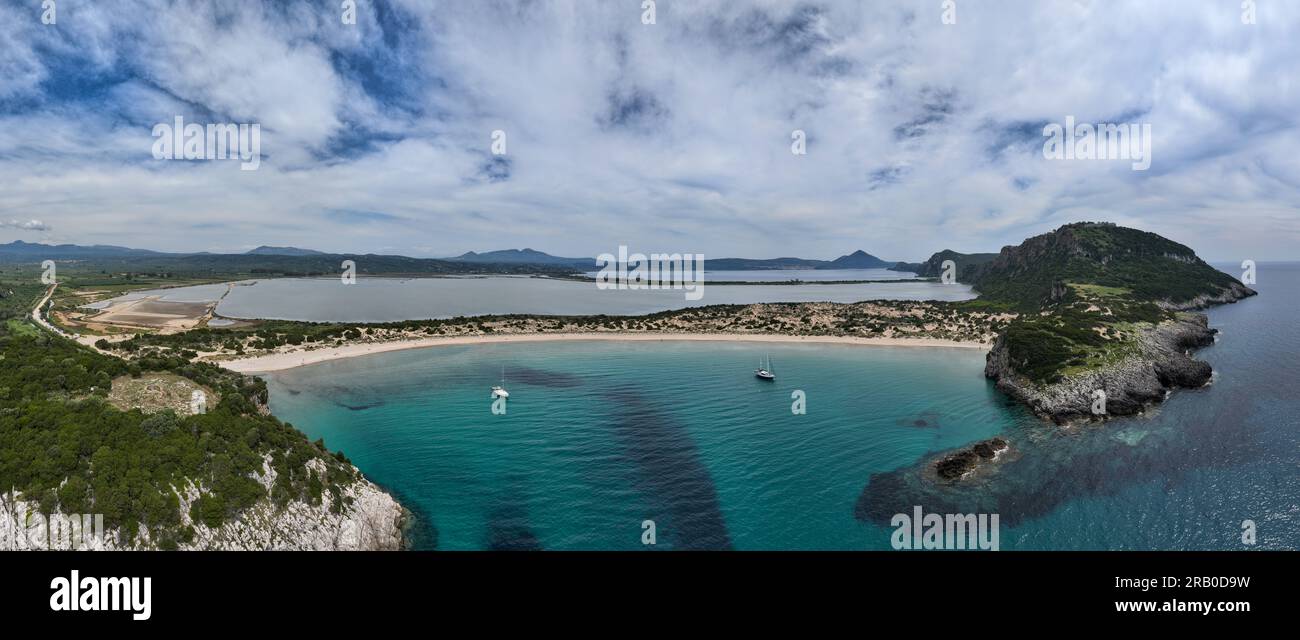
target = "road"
x: 39, y: 319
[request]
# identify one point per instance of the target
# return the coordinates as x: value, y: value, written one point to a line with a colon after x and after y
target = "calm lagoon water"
x: 600, y: 436
x: 394, y: 299
x: 806, y: 275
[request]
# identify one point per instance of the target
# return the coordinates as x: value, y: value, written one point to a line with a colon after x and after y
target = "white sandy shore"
x: 291, y: 359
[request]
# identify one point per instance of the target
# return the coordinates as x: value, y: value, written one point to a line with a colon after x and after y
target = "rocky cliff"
x: 1160, y: 363
x: 371, y: 520
x: 1230, y: 293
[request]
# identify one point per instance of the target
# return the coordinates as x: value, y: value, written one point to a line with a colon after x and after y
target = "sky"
x: 923, y: 124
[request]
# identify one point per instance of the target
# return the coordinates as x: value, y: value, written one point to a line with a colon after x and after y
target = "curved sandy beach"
x: 291, y: 359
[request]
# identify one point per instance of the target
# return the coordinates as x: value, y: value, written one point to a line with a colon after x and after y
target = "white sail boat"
x: 499, y: 391
x: 764, y: 372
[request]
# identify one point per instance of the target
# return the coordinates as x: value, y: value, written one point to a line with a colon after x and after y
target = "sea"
x: 602, y: 442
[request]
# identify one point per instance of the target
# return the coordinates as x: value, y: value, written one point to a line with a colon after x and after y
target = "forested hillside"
x: 64, y: 447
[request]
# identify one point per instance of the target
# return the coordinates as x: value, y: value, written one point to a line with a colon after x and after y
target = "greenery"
x: 944, y: 320
x: 1147, y: 266
x: 1092, y: 326
x: 1080, y: 297
x: 64, y: 447
x: 1085, y: 291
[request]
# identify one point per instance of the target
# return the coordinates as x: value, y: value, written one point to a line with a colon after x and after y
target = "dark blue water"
x: 600, y: 436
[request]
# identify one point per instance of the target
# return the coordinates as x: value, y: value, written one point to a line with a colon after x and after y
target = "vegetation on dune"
x: 943, y: 320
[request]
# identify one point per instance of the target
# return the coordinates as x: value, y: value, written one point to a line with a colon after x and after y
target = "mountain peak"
x: 859, y: 260
x: 267, y: 250
x: 520, y: 256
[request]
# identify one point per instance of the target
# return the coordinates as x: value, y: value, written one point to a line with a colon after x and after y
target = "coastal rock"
x: 1162, y: 363
x: 957, y: 465
x: 1230, y: 294
x: 371, y: 521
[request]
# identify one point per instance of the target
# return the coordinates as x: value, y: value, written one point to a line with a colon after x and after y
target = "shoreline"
x: 293, y: 359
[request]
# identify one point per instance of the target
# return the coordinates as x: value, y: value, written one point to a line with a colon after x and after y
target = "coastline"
x: 291, y: 359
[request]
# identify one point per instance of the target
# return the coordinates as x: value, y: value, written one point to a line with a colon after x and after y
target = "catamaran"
x: 765, y: 372
x: 499, y: 391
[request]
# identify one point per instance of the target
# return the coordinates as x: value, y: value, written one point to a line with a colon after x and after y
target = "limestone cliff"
x: 1161, y: 363
x: 370, y: 520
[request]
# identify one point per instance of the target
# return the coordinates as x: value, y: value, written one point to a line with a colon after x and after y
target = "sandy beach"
x: 291, y: 359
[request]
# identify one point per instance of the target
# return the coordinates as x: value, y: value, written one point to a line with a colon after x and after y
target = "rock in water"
x: 956, y: 465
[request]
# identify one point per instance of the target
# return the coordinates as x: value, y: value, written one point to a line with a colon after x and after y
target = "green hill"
x: 968, y: 264
x: 1137, y: 265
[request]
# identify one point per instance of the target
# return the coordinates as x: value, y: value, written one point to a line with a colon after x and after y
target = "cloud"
x: 673, y: 136
x: 25, y: 225
x: 353, y: 217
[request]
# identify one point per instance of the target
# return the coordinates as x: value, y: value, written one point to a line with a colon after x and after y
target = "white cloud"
x: 24, y: 225
x: 670, y: 136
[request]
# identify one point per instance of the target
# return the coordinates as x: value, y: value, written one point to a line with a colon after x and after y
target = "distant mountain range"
x: 309, y: 260
x: 856, y: 260
x: 27, y: 250
x: 263, y: 261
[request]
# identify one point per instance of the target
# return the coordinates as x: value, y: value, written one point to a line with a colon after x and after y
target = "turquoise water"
x: 600, y: 436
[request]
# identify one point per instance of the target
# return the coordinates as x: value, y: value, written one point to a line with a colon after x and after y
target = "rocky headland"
x: 1106, y: 327
x: 1162, y: 362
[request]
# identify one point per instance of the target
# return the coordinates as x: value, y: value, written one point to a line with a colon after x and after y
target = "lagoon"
x: 395, y: 299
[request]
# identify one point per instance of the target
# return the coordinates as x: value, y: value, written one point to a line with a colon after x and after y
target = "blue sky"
x: 673, y: 136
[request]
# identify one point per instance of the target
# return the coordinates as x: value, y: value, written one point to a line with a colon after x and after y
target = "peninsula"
x: 1088, y: 309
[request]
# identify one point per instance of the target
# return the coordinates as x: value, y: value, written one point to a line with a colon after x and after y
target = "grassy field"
x: 155, y: 392
x: 1099, y: 291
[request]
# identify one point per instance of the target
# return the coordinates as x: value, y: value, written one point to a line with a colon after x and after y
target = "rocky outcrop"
x: 961, y: 464
x: 1162, y: 362
x: 371, y: 521
x: 1229, y: 294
